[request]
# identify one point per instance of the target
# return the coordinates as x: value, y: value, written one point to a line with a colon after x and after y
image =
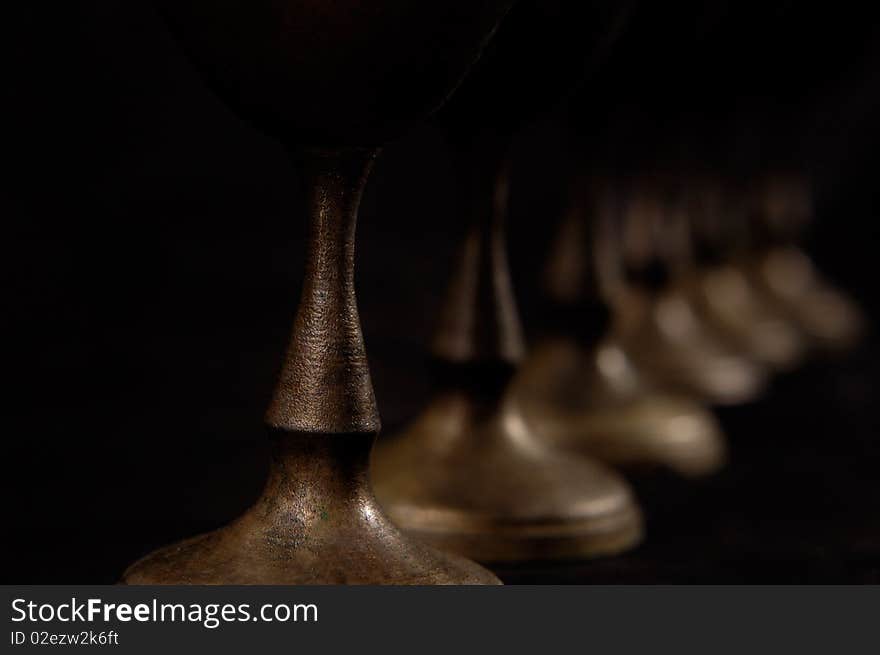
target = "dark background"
x: 152, y: 252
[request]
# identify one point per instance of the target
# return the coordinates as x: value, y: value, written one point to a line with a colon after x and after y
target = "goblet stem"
x: 324, y: 386
x: 576, y: 278
x: 480, y: 325
x: 479, y: 343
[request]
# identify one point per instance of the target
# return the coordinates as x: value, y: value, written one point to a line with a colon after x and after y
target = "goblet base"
x: 675, y: 350
x: 316, y: 523
x: 828, y: 317
x: 487, y: 488
x: 651, y: 431
x: 226, y: 558
x: 593, y: 403
x: 732, y: 304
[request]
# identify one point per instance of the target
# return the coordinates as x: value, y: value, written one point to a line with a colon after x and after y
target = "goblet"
x: 471, y: 474
x: 656, y: 319
x: 724, y: 295
x: 783, y: 271
x: 580, y: 388
x: 332, y: 81
x: 655, y: 322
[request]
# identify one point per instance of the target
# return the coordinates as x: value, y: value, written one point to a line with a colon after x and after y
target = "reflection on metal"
x: 316, y: 522
x: 595, y: 403
x: 741, y: 313
x: 580, y: 389
x: 676, y: 350
x: 827, y: 316
x: 470, y: 476
x: 780, y: 270
x: 659, y: 319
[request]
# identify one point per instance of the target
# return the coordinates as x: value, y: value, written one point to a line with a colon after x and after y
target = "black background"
x: 152, y: 253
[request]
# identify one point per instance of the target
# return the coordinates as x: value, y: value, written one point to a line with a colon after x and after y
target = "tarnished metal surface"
x: 315, y: 523
x: 324, y: 73
x: 324, y: 386
x: 317, y: 520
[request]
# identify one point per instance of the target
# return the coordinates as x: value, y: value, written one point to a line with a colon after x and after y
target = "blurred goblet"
x: 579, y: 386
x: 332, y: 81
x: 786, y: 274
x: 471, y: 474
x: 724, y: 295
x: 657, y: 321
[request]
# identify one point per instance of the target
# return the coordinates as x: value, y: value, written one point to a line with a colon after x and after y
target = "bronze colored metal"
x: 787, y: 276
x: 668, y: 342
x: 728, y: 299
x: 594, y: 402
x: 579, y: 388
x: 829, y: 318
x: 662, y: 330
x: 470, y: 474
x: 326, y: 73
x: 722, y: 292
x: 315, y: 523
x: 323, y: 73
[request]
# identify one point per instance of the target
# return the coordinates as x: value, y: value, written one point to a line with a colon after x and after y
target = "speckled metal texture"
x: 342, y: 77
x: 317, y: 521
x: 324, y: 386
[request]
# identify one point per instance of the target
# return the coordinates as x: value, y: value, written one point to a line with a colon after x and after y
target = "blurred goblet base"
x: 675, y: 350
x: 828, y: 317
x: 474, y: 479
x: 594, y: 403
x: 743, y: 314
